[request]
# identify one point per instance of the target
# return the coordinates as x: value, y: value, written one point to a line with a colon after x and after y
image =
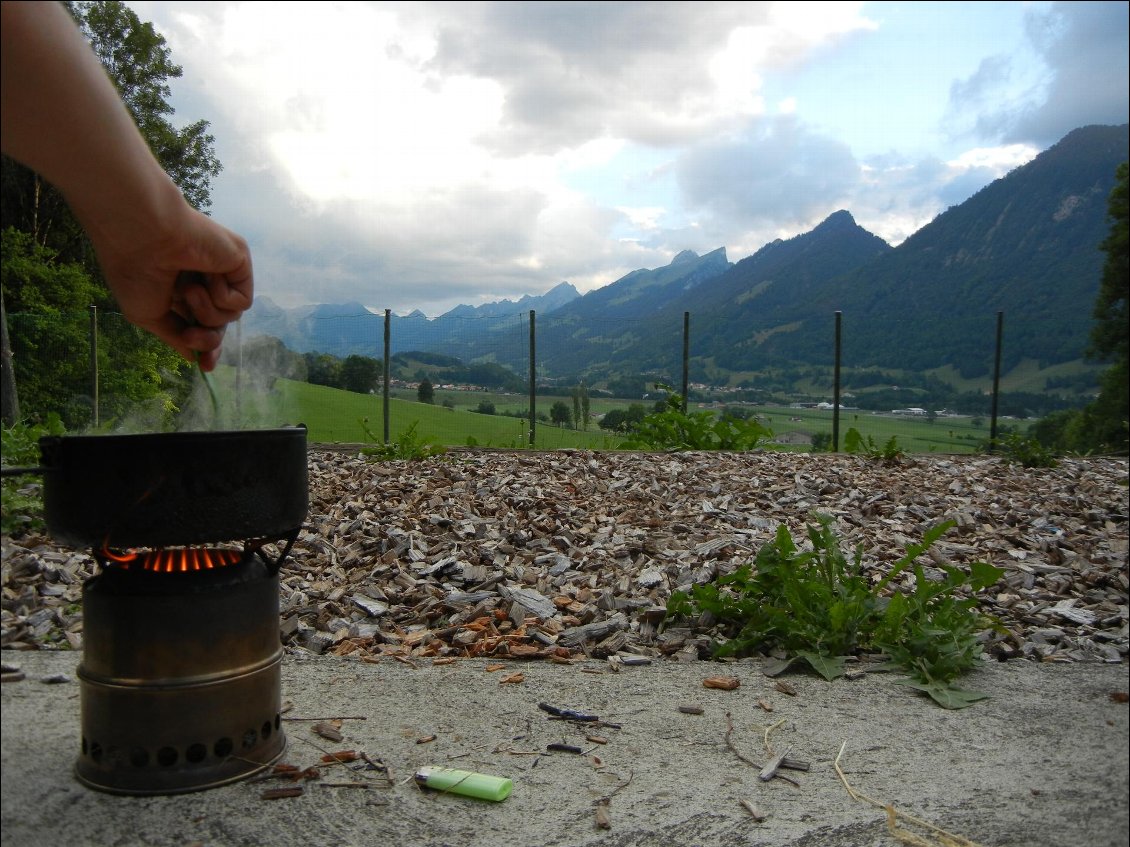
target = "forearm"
x: 73, y: 128
x: 64, y: 119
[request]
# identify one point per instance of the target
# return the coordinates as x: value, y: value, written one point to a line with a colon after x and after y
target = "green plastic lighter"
x: 480, y: 785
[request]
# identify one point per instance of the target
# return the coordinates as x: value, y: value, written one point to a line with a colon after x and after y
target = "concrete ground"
x: 1041, y: 763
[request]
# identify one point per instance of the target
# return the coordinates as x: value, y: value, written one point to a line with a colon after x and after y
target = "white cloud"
x: 420, y: 154
x: 998, y: 160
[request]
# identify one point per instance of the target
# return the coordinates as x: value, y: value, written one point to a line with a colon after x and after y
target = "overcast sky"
x: 421, y: 155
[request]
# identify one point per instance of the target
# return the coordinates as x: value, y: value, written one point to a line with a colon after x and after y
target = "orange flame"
x: 173, y: 560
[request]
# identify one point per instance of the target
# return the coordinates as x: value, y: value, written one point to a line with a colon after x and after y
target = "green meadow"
x: 333, y: 416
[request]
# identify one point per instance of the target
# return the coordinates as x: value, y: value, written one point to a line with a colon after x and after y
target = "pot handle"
x: 38, y: 469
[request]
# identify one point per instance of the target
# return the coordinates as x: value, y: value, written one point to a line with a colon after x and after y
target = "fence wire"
x: 515, y: 380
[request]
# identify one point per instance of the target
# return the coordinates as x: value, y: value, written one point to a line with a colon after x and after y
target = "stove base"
x: 180, y: 738
x: 181, y: 680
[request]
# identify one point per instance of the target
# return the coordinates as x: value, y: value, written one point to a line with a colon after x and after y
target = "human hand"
x: 183, y: 282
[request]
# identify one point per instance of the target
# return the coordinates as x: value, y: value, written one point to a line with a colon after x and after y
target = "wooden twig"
x: 340, y: 718
x: 280, y: 793
x: 730, y: 744
x: 621, y: 786
x: 601, y: 814
x: 729, y: 730
x: 334, y: 761
x: 772, y: 766
x: 602, y: 818
x: 346, y: 784
x: 754, y: 812
x: 378, y: 766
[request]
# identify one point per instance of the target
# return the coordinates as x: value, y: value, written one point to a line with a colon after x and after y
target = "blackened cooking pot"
x: 174, y: 489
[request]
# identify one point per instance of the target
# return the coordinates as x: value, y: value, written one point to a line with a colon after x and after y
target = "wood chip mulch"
x: 571, y: 554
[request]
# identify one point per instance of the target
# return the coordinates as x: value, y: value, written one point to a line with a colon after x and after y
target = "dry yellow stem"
x: 941, y: 837
x: 769, y: 729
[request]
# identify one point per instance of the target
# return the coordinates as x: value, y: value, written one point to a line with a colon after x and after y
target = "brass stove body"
x: 180, y: 678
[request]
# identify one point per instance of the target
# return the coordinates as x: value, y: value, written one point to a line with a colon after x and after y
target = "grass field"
x: 333, y: 416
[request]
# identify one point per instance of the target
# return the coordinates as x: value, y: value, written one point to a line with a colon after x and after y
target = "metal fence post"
x: 238, y: 373
x: 686, y: 356
x: 94, y: 363
x: 836, y: 390
x: 996, y: 384
x: 533, y: 379
x: 387, y: 368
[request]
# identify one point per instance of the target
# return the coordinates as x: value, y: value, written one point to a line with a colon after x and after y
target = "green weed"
x: 890, y: 453
x: 819, y: 607
x: 673, y: 429
x: 407, y: 446
x: 1028, y: 452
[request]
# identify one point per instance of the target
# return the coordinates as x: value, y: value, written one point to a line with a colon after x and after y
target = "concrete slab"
x: 1042, y: 763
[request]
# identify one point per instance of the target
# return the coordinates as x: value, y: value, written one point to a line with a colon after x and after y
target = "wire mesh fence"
x: 521, y: 380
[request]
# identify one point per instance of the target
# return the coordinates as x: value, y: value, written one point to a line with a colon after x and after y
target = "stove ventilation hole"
x: 194, y: 754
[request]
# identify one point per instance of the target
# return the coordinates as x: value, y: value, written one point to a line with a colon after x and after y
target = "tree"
x: 1103, y: 424
x: 559, y: 413
x: 139, y: 62
x: 1109, y: 334
x: 361, y: 374
x: 323, y: 369
x: 614, y: 420
x: 623, y: 420
x: 426, y: 393
x: 1108, y: 415
x: 580, y: 394
x: 267, y: 357
x: 46, y: 304
x: 9, y: 401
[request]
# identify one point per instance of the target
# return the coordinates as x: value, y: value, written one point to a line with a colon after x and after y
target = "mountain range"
x: 1025, y: 247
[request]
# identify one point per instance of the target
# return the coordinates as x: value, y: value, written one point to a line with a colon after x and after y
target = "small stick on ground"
x: 346, y: 784
x: 603, y: 819
x: 601, y: 816
x: 746, y: 759
x: 336, y: 761
x: 730, y: 744
x: 281, y: 793
x: 772, y: 767
x: 754, y: 812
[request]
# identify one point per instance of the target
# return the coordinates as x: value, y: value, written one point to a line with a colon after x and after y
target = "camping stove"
x: 181, y: 670
x: 180, y: 677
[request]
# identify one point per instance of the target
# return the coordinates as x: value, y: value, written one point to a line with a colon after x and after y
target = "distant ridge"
x: 1026, y: 245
